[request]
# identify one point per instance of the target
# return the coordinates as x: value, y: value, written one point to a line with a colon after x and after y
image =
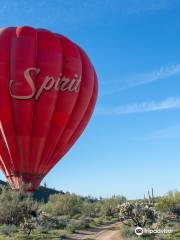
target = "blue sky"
x: 132, y: 142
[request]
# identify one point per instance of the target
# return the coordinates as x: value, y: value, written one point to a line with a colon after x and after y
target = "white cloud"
x: 162, y: 73
x: 143, y: 78
x: 169, y: 103
x: 165, y: 133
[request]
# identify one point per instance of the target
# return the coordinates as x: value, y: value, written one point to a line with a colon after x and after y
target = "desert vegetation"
x: 49, y: 214
x: 152, y: 213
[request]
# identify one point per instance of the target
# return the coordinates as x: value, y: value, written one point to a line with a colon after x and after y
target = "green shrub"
x: 8, y: 230
x: 15, y: 207
x: 109, y: 207
x: 169, y: 202
x: 67, y: 204
x: 71, y: 228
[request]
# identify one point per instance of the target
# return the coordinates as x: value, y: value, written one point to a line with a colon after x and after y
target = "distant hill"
x: 41, y: 194
x: 3, y: 183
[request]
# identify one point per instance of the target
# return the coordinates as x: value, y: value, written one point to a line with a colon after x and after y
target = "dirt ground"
x: 107, y: 232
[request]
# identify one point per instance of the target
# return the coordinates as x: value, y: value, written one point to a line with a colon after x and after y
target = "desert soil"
x: 106, y: 232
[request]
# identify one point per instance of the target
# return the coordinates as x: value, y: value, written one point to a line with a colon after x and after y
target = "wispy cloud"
x: 165, y: 133
x: 169, y: 103
x: 142, y: 79
x: 162, y: 73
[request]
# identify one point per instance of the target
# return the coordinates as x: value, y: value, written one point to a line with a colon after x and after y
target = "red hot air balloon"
x: 48, y: 90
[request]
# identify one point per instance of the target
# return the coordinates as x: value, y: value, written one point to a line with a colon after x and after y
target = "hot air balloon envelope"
x: 48, y: 90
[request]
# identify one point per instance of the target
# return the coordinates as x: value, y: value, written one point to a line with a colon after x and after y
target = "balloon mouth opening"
x: 24, y: 182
